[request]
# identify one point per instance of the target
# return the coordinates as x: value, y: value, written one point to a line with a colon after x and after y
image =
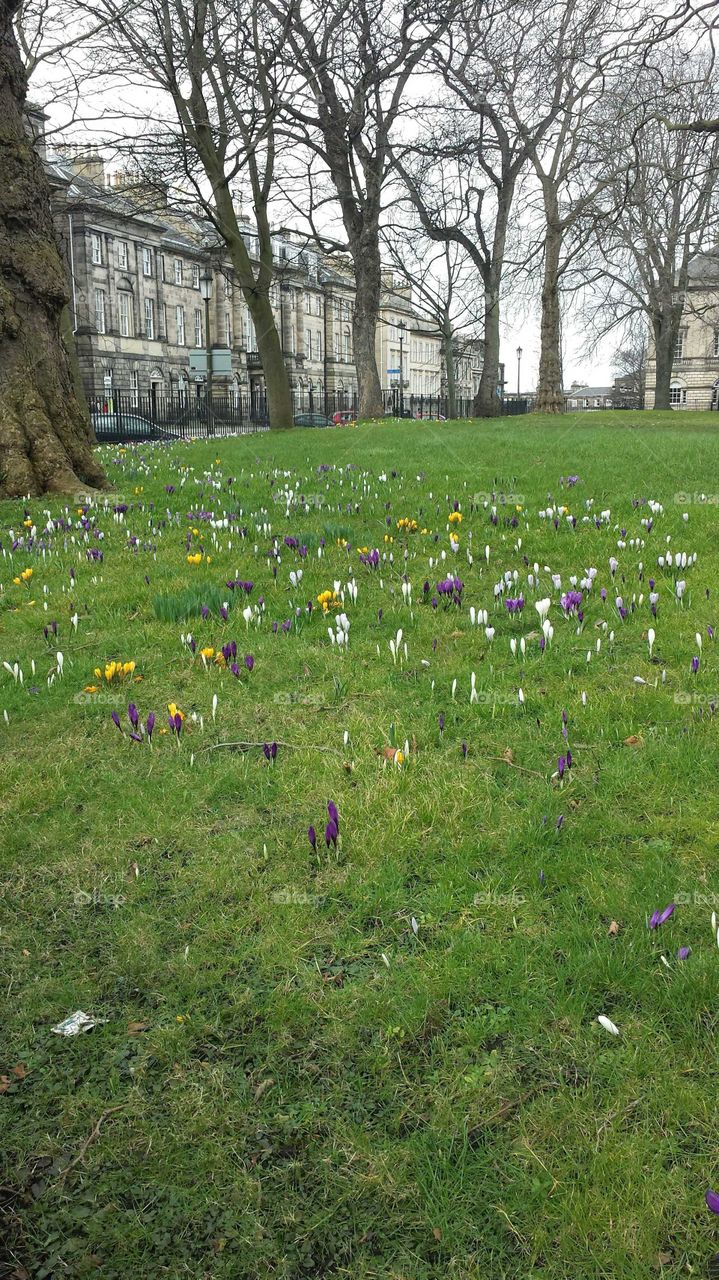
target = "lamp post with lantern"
x: 519, y: 367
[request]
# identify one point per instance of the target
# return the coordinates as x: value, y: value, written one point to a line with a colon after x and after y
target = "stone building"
x: 138, y: 314
x: 695, y: 369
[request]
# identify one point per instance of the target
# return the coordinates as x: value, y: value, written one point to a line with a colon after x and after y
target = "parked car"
x: 344, y: 415
x: 127, y: 426
x: 311, y: 420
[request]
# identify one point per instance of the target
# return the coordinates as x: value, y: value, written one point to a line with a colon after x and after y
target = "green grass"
x: 318, y: 1090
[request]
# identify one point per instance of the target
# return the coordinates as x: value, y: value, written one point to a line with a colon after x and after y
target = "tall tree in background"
x: 354, y: 60
x: 663, y: 211
x: 219, y: 69
x: 45, y: 433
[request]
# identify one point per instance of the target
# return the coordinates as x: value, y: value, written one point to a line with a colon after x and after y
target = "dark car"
x: 311, y: 420
x: 127, y: 426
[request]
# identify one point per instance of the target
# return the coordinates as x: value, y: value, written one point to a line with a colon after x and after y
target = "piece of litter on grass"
x: 608, y: 1024
x: 75, y: 1023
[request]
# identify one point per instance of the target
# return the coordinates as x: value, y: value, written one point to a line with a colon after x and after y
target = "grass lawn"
x: 379, y: 1058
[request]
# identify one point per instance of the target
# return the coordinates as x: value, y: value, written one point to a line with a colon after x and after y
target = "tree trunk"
x: 487, y: 404
x: 448, y: 351
x: 269, y: 347
x: 368, y: 278
x: 45, y: 433
x: 665, y: 326
x: 549, y: 387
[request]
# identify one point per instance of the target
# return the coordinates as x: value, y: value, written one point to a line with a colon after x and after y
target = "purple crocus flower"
x: 712, y: 1200
x: 695, y: 665
x: 312, y: 837
x: 441, y: 722
x: 331, y: 834
x: 333, y: 813
x: 249, y: 661
x: 132, y: 715
x: 149, y: 726
x: 560, y: 820
x: 116, y: 720
x: 683, y: 953
x: 464, y: 750
x: 205, y: 611
x: 661, y: 917
x: 224, y: 613
x: 561, y: 766
x: 569, y: 759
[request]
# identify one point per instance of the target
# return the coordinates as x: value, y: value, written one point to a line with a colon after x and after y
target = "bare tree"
x: 45, y: 433
x: 441, y: 293
x: 661, y: 213
x: 354, y: 60
x: 217, y: 68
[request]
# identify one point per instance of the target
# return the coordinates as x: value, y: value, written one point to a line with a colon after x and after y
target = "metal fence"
x: 118, y: 414
x: 122, y: 414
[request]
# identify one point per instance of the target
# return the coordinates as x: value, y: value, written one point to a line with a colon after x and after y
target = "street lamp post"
x: 519, y: 366
x: 206, y: 292
x: 402, y: 329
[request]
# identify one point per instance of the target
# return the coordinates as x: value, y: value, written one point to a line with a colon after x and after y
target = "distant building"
x: 580, y: 398
x: 695, y: 369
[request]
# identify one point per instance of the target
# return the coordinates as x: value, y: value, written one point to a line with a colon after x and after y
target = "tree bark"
x: 45, y: 433
x: 549, y: 387
x: 269, y: 347
x: 665, y: 326
x: 448, y: 352
x: 487, y: 404
x: 368, y: 277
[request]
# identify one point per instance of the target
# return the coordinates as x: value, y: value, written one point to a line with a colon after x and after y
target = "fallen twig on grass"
x: 94, y: 1133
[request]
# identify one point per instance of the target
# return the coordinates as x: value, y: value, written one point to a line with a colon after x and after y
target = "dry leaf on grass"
x: 613, y: 929
x: 633, y: 741
x: 135, y: 1028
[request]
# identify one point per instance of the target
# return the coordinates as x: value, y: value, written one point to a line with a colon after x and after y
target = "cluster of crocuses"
x: 236, y: 585
x: 369, y: 558
x: 514, y: 606
x: 658, y: 918
x: 449, y: 590
x: 571, y: 601
x: 332, y: 829
x: 138, y: 731
x: 269, y: 750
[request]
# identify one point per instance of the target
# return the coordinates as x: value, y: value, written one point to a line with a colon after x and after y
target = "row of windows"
x: 126, y: 320
x: 149, y: 257
x: 681, y: 340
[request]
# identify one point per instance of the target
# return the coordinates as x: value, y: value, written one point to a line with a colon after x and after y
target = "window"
x: 164, y: 331
x: 348, y: 345
x: 195, y: 276
x: 308, y: 304
x: 308, y: 344
x: 180, y: 325
x: 715, y: 348
x: 319, y: 344
x: 96, y: 248
x: 163, y: 267
x: 147, y: 262
x: 337, y: 346
x: 122, y: 255
x: 677, y: 394
x: 100, y: 310
x: 178, y: 270
x: 228, y: 288
x: 150, y: 318
x: 679, y: 345
x: 134, y: 388
x: 123, y: 310
x: 318, y: 305
x: 198, y: 327
x: 228, y: 329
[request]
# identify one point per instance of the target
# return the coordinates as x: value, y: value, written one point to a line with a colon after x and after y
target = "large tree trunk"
x: 487, y: 403
x: 665, y: 326
x: 368, y: 278
x: 45, y: 433
x: 269, y: 346
x: 549, y: 387
x: 448, y: 351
